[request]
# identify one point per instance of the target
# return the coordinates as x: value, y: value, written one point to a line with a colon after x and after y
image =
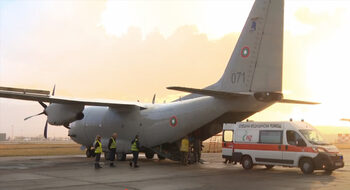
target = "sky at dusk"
x: 129, y: 50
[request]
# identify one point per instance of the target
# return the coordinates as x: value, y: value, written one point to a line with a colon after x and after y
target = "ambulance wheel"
x: 149, y: 154
x: 269, y: 166
x: 247, y: 162
x: 307, y: 166
x: 121, y: 156
x: 160, y: 157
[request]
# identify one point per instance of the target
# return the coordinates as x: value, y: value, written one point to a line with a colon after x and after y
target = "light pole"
x: 12, y: 131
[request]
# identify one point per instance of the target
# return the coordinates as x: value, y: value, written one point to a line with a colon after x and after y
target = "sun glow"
x: 88, y: 49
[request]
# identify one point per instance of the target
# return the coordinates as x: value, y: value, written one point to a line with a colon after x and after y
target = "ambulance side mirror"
x: 301, y: 142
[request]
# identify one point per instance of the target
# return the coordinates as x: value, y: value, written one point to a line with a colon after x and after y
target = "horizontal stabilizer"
x: 260, y: 96
x: 297, y: 102
x: 209, y: 92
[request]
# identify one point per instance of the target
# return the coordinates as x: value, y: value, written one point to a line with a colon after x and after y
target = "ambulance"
x: 290, y: 144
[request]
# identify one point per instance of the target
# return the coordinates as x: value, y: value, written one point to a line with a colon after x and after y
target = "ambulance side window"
x: 293, y: 137
x: 271, y: 137
x: 228, y: 136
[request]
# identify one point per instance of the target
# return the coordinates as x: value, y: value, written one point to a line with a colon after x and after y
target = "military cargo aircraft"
x: 251, y: 82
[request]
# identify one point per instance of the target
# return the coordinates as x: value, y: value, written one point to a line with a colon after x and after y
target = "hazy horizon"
x: 130, y: 50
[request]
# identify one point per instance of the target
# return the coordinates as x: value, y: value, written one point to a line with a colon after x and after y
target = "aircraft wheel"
x: 307, y: 166
x: 121, y: 156
x: 149, y: 154
x: 269, y: 166
x: 329, y: 172
x: 247, y: 162
x: 88, y: 153
x: 160, y: 157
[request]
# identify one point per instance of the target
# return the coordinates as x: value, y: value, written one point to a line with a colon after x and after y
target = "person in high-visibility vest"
x: 112, y: 147
x: 135, y: 149
x: 184, y: 148
x: 98, y: 151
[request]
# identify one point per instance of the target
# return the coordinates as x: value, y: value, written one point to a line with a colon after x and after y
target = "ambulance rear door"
x: 227, y: 144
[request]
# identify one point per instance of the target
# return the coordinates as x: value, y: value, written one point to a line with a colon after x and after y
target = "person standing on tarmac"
x: 184, y: 148
x: 197, y: 146
x: 135, y: 148
x: 112, y: 146
x: 98, y: 151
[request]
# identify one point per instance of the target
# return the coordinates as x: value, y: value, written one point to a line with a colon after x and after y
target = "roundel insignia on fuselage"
x: 173, y: 121
x: 245, y: 52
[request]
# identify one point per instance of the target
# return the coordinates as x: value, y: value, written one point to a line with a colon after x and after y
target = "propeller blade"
x: 45, y: 130
x: 53, y: 91
x: 42, y: 104
x: 66, y: 126
x: 34, y: 116
x: 154, y: 99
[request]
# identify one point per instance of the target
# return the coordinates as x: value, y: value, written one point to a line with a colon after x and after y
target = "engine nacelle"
x: 63, y: 114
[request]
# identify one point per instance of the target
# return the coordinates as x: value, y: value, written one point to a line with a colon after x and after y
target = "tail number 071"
x: 238, y: 77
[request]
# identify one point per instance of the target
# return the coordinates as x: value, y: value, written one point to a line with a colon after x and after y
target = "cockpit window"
x: 313, y: 137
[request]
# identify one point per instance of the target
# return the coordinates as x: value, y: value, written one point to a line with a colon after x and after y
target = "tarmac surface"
x: 77, y: 172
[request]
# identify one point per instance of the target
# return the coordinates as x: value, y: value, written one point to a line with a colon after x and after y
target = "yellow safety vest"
x: 113, y: 144
x: 98, y: 150
x: 184, y: 145
x: 134, y: 146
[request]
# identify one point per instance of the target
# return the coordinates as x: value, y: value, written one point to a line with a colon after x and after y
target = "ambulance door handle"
x: 279, y: 147
x: 286, y: 147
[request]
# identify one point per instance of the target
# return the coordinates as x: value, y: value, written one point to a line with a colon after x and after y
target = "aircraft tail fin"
x: 256, y: 62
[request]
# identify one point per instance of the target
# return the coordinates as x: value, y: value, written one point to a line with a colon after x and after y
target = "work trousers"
x: 97, y: 158
x: 112, y: 154
x: 184, y: 158
x: 135, y: 155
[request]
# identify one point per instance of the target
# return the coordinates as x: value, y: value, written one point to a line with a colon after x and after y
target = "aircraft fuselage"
x: 159, y: 123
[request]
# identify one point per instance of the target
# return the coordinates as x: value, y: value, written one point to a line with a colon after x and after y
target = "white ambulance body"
x: 292, y: 144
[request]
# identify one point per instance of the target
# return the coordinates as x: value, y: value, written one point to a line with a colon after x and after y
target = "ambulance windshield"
x: 313, y: 137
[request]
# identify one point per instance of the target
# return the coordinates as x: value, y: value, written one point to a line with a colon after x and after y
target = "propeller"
x: 154, y: 99
x: 43, y: 112
x: 34, y: 115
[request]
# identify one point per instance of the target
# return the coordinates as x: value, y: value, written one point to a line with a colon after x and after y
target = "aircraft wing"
x: 44, y: 96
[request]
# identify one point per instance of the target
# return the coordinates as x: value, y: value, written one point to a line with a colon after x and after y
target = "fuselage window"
x: 271, y: 137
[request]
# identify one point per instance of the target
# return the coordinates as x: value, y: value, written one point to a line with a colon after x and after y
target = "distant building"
x: 343, y: 138
x: 2, y: 136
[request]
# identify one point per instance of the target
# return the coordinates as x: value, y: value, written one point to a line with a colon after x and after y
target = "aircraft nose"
x: 73, y: 131
x: 76, y: 133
